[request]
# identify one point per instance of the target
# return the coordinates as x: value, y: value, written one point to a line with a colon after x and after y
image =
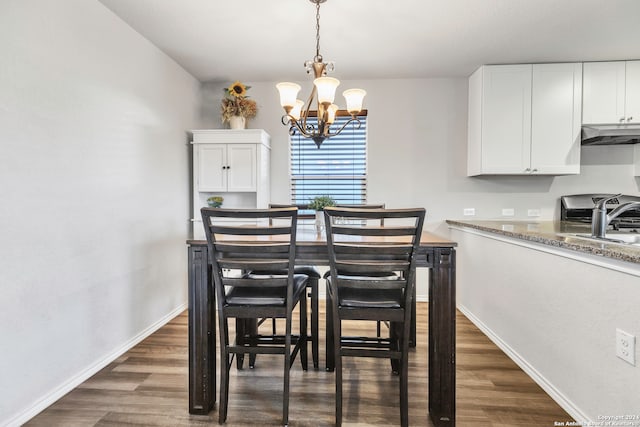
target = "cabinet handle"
x: 534, y: 170
x: 629, y: 118
x: 622, y: 119
x: 527, y: 170
x: 224, y: 167
x: 228, y: 167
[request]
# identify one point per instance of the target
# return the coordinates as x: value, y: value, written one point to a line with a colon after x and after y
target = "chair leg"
x: 304, y: 357
x: 395, y: 334
x: 240, y: 334
x: 338, y: 369
x: 404, y: 381
x: 287, y: 368
x: 412, y: 339
x: 252, y: 327
x: 329, y: 348
x: 224, y: 371
x: 314, y: 322
x: 404, y: 398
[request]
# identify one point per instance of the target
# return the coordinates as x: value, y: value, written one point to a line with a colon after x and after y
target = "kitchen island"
x: 552, y: 302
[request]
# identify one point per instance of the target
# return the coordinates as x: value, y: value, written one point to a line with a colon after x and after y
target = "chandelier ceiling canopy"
x: 324, y: 90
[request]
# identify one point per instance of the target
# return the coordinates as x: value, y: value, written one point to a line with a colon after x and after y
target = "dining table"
x: 435, y: 253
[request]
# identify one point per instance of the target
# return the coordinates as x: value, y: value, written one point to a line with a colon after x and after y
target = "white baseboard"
x: 88, y: 372
x: 548, y: 387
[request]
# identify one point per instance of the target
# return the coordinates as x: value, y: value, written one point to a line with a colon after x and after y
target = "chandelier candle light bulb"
x: 288, y: 94
x: 331, y: 113
x: 324, y: 90
x: 326, y: 87
x: 297, y: 109
x: 354, y: 98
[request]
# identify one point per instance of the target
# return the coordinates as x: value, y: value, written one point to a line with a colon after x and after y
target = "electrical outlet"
x: 469, y: 211
x: 508, y: 212
x: 533, y: 212
x: 626, y: 346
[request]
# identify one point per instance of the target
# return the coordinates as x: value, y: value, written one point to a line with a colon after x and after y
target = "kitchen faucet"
x: 600, y: 219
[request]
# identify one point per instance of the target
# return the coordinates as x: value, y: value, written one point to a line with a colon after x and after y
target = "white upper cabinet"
x: 556, y: 119
x: 525, y: 119
x: 611, y: 92
x: 632, y: 93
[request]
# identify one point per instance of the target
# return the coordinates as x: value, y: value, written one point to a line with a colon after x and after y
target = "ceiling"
x: 269, y: 40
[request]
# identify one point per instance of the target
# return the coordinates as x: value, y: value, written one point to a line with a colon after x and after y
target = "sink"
x: 611, y: 237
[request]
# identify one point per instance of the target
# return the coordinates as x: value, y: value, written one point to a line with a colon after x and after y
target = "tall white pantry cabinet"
x: 233, y: 164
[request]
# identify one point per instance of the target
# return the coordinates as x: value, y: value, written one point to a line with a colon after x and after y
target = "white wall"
x: 557, y: 317
x: 94, y: 191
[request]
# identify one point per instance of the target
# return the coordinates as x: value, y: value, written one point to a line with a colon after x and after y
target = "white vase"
x: 319, y: 221
x: 237, y: 122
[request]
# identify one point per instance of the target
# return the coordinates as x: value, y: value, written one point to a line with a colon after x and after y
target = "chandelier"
x: 324, y: 90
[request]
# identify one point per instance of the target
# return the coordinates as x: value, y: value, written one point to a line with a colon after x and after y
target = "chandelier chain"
x: 317, y: 29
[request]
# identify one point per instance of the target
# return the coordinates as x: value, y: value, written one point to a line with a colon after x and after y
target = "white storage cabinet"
x: 525, y: 119
x: 233, y: 164
x: 611, y: 92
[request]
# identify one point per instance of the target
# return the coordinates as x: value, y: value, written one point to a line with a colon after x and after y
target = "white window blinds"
x: 337, y: 169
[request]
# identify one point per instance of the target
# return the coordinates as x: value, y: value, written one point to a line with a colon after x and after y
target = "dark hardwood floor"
x: 147, y: 386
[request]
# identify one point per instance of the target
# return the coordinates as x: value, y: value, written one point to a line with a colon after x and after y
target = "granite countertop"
x: 556, y: 234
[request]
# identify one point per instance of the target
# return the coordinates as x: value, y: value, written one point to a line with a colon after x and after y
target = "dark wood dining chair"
x: 356, y: 249
x: 312, y: 283
x: 387, y: 274
x: 250, y: 243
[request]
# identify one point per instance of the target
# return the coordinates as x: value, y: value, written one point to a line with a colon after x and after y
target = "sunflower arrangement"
x: 236, y: 102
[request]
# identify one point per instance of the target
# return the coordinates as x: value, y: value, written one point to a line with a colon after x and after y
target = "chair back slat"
x: 348, y: 282
x: 363, y: 230
x: 365, y: 206
x: 272, y: 282
x: 271, y: 248
x: 249, y: 264
x: 391, y: 249
x: 363, y: 265
x: 250, y: 230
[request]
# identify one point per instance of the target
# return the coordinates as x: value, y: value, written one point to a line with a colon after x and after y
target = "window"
x: 337, y: 169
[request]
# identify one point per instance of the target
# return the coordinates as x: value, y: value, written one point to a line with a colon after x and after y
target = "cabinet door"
x: 556, y: 102
x: 603, y: 92
x: 632, y: 97
x: 506, y: 119
x: 212, y: 163
x: 241, y: 167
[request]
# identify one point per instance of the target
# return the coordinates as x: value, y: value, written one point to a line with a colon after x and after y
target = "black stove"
x: 579, y: 208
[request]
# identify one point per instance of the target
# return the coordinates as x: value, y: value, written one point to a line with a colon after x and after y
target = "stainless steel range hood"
x: 610, y: 134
